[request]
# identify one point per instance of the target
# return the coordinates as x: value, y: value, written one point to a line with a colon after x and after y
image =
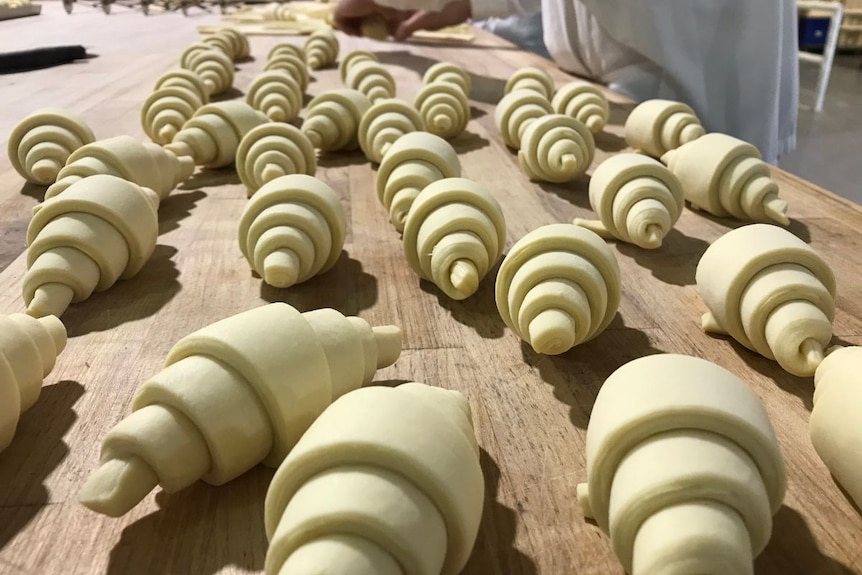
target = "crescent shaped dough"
x: 185, y: 79
x: 270, y: 151
x: 352, y: 58
x: 516, y: 111
x: 656, y: 127
x: 444, y: 108
x: 288, y: 49
x: 165, y: 112
x: 556, y: 148
x: 291, y: 64
x: 583, y: 102
x: 236, y: 393
x: 771, y: 292
x: 449, y: 73
x: 213, y: 66
x: 558, y: 287
x: 684, y: 471
x: 276, y: 94
x: 222, y: 43
x: 384, y: 123
x: 229, y: 41
x: 321, y: 49
x: 42, y: 142
x: 531, y: 79
x: 371, y: 79
x: 389, y: 478
x: 332, y: 119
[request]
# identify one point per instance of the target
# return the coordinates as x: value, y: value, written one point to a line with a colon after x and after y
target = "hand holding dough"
x: 448, y: 73
x: 374, y: 27
x: 321, y: 49
x: 291, y: 64
x: 655, y: 127
x: 444, y: 108
x: 727, y: 177
x: 332, y: 119
x: 270, y: 151
x: 234, y: 394
x: 212, y: 136
x: 286, y: 48
x: 42, y: 142
x: 371, y: 79
x: 213, y: 66
x: 583, y: 102
x: 384, y: 123
x: 532, y: 79
x: 558, y: 287
x: 771, y: 292
x: 454, y: 234
x: 385, y: 482
x: 100, y: 229
x: 516, y: 111
x: 684, y: 471
x: 276, y: 94
x: 637, y: 200
x: 556, y: 148
x: 352, y: 58
x: 411, y: 163
x: 292, y: 230
x: 177, y: 96
x: 28, y: 349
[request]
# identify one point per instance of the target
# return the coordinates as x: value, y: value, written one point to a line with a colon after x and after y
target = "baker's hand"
x: 455, y: 12
x: 349, y: 14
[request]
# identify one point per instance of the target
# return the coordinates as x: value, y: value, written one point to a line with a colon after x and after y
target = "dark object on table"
x: 40, y: 58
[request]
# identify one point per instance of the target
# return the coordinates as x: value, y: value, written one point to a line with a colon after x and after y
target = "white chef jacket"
x: 734, y: 61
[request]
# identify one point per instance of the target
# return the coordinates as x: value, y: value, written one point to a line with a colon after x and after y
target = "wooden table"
x: 530, y: 411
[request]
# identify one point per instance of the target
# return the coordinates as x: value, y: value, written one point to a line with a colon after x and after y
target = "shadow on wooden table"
x: 675, y: 262
x: 607, y: 142
x: 494, y: 551
x: 802, y: 387
x: 576, y: 193
x: 176, y: 208
x: 468, y: 141
x: 34, y: 454
x: 619, y: 113
x: 231, y: 93
x: 199, y: 530
x: 793, y: 549
x: 796, y: 227
x: 34, y: 191
x: 341, y: 159
x: 206, y: 177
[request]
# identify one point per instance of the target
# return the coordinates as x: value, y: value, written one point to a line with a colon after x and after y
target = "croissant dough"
x: 454, y: 234
x: 556, y: 148
x: 234, y: 394
x: 293, y: 65
x: 558, y: 287
x: 332, y: 119
x: 655, y: 127
x: 286, y: 48
x: 583, y: 102
x: 28, y: 349
x: 270, y: 151
x: 449, y: 73
x: 321, y: 49
x: 727, y: 177
x: 532, y: 79
x: 834, y: 424
x: 444, y: 108
x: 516, y: 111
x: 411, y: 163
x: 40, y: 144
x: 292, y: 230
x: 385, y: 122
x: 371, y: 79
x: 231, y: 42
x: 771, y: 292
x: 98, y: 230
x: 637, y: 200
x: 352, y: 58
x: 143, y: 163
x: 386, y: 481
x: 276, y: 94
x: 213, y: 66
x: 177, y: 96
x: 212, y: 136
x: 374, y: 27
x: 684, y: 471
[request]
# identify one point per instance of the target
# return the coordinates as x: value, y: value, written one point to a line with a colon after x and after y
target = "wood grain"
x: 530, y: 411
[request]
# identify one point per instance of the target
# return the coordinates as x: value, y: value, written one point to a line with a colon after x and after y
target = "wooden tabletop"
x: 530, y: 411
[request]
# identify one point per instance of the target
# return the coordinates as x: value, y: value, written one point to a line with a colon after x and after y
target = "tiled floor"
x: 829, y: 144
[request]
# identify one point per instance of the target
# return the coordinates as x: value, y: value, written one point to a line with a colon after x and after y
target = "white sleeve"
x: 480, y: 9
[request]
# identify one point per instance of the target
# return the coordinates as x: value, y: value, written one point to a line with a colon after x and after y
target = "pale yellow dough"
x: 637, y: 199
x: 385, y: 122
x: 583, y: 102
x: 143, y: 163
x: 374, y: 27
x: 270, y: 151
x: 532, y: 79
x: 835, y: 418
x: 516, y: 111
x: 98, y: 230
x: 234, y: 394
x: 771, y: 292
x: 42, y: 142
x: 28, y: 349
x: 684, y: 471
x: 321, y: 49
x: 411, y: 163
x: 293, y: 65
x: 371, y: 79
x: 449, y: 73
x: 292, y: 230
x: 213, y: 66
x: 655, y: 127
x: 276, y: 94
x: 286, y: 48
x: 454, y: 234
x: 444, y: 108
x: 231, y: 42
x: 727, y: 177
x: 175, y: 99
x: 212, y: 136
x: 385, y: 482
x: 556, y: 148
x: 558, y: 287
x: 332, y: 119
x: 352, y: 58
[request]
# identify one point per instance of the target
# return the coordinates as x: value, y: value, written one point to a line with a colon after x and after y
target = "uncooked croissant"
x: 583, y: 102
x: 410, y: 164
x: 229, y: 41
x: 637, y: 200
x: 371, y: 79
x: 177, y: 96
x: 556, y: 148
x: 444, y: 108
x: 292, y: 230
x: 185, y: 79
x: 99, y: 230
x: 213, y: 134
x: 42, y: 142
x: 321, y: 49
x: 276, y: 94
x: 143, y: 163
x: 352, y: 58
x: 771, y: 292
x: 684, y: 471
x: 286, y: 48
x: 385, y: 482
x: 384, y: 123
x: 332, y: 119
x: 449, y: 73
x: 558, y: 287
x: 292, y: 65
x: 727, y: 177
x: 213, y: 66
x: 270, y: 151
x: 234, y: 394
x: 835, y: 418
x: 220, y: 42
x: 532, y: 79
x: 516, y: 111
x: 28, y: 349
x: 197, y: 47
x: 655, y: 127
x: 454, y: 234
